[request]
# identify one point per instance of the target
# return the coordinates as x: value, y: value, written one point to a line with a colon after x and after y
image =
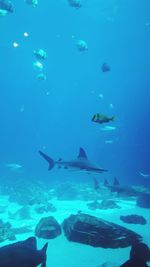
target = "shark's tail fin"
x: 113, y: 118
x: 48, y: 159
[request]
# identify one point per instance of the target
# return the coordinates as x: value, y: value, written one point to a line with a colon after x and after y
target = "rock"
x: 45, y: 208
x: 6, y: 232
x: 48, y: 228
x: 143, y: 201
x: 96, y: 232
x: 28, y: 193
x: 66, y: 191
x: 108, y: 204
x: 105, y: 204
x: 22, y: 214
x: 93, y: 205
x: 21, y: 230
x: 133, y: 219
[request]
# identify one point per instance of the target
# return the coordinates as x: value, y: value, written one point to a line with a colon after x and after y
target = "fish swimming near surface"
x: 100, y: 118
x: 23, y: 254
x: 81, y: 163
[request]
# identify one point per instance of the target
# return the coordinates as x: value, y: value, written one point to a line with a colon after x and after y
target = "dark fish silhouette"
x: 116, y: 182
x: 96, y: 184
x: 105, y: 67
x: 75, y: 3
x: 106, y: 183
x: 23, y: 254
x: 100, y: 118
x: 81, y: 163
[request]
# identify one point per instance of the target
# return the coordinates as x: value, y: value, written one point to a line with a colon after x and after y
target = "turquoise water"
x: 53, y: 112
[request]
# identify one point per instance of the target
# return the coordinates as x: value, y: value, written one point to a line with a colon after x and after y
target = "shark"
x: 23, y: 254
x: 81, y: 163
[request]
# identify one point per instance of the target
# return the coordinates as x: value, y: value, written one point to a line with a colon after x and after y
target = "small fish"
x: 145, y: 175
x: 105, y: 67
x: 108, y: 128
x: 75, y: 3
x: 13, y: 166
x: 100, y: 118
x: 82, y: 46
x: 109, y: 141
x: 7, y: 6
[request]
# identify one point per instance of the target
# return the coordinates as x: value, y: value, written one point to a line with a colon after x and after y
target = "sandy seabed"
x: 61, y: 252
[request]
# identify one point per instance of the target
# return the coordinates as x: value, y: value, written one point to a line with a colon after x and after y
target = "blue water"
x: 57, y: 112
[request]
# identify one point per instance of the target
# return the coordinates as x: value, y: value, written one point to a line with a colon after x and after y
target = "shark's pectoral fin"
x: 82, y: 154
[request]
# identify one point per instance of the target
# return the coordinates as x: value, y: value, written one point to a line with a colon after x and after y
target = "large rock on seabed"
x: 93, y: 231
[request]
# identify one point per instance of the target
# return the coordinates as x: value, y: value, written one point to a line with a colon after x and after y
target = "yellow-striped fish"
x: 100, y: 118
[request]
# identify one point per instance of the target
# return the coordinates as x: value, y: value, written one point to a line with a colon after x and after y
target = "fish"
x: 100, y: 118
x: 23, y: 254
x: 109, y: 141
x: 14, y: 166
x: 75, y: 3
x: 108, y: 128
x: 105, y: 67
x: 7, y: 6
x: 145, y: 175
x: 81, y: 163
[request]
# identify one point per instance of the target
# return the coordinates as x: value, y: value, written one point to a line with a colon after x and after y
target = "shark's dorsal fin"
x: 31, y: 242
x: 82, y: 154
